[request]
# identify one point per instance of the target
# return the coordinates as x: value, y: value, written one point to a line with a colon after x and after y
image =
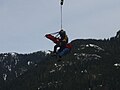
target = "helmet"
x: 62, y: 33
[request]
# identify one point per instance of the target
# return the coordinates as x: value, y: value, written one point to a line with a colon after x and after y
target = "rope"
x: 61, y: 3
x: 54, y: 33
x: 61, y: 18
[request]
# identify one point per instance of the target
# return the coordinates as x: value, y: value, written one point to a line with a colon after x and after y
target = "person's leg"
x: 64, y: 52
x: 55, y: 48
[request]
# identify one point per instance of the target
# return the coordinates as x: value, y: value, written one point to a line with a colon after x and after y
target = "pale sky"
x: 23, y: 23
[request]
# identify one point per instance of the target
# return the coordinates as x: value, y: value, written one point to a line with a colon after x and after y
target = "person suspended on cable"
x: 63, y: 40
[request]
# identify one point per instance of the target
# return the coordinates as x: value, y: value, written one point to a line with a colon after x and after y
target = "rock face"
x: 91, y: 65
